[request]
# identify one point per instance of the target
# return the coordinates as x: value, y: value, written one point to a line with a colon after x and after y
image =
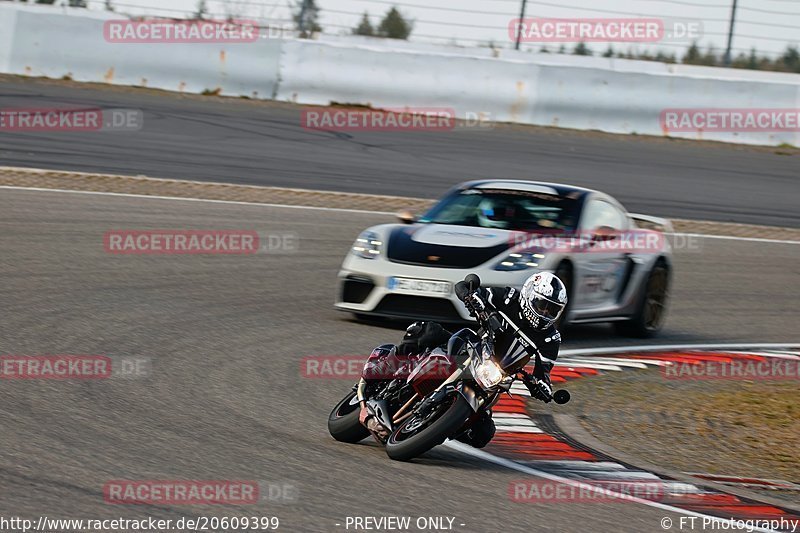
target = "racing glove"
x: 539, y: 387
x: 474, y: 304
x: 472, y: 301
x: 542, y: 389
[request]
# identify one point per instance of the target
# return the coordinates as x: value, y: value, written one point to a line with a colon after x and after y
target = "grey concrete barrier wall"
x: 320, y: 73
x: 631, y: 102
x: 587, y: 93
x: 48, y: 42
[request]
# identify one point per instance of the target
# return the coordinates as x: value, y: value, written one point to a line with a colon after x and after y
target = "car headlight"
x: 367, y: 245
x: 488, y: 374
x: 519, y: 261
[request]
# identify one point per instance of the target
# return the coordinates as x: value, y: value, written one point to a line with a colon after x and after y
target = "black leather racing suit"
x: 517, y: 338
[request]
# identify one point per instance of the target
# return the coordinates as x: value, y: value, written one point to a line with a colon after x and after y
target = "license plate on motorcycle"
x: 419, y: 286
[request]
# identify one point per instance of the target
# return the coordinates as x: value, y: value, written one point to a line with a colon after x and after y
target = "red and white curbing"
x: 748, y: 482
x: 522, y: 441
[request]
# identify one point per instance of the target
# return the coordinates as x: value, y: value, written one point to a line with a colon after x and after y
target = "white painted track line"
x: 362, y: 211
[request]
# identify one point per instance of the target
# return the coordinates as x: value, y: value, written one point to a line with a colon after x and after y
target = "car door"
x: 600, y: 264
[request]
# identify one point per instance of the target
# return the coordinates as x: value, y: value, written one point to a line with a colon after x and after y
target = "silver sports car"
x: 616, y: 266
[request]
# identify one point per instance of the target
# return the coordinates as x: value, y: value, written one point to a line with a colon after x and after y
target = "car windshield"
x: 505, y: 209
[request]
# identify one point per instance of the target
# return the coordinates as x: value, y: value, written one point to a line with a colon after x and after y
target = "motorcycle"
x: 424, y: 400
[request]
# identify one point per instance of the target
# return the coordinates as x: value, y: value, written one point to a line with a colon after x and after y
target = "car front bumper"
x: 363, y: 288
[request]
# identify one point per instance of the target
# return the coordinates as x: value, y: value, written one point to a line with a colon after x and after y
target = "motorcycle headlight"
x: 519, y: 261
x: 367, y: 245
x: 488, y: 374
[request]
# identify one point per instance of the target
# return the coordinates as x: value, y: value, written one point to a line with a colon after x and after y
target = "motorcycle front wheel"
x: 421, y: 432
x: 343, y: 423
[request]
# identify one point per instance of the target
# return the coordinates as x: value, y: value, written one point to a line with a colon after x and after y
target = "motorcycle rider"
x: 528, y: 327
x: 529, y: 324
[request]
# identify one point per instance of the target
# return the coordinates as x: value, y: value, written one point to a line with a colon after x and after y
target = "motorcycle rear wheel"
x: 418, y: 434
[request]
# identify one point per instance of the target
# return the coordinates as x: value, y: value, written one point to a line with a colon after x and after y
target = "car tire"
x: 651, y: 309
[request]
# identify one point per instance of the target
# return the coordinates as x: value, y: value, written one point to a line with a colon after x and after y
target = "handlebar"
x: 561, y: 396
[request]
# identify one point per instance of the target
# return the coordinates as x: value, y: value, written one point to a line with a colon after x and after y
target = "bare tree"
x: 202, y: 9
x: 305, y: 16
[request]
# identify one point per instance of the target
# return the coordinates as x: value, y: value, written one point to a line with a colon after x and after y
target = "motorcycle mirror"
x: 561, y: 396
x: 473, y: 281
x: 461, y: 291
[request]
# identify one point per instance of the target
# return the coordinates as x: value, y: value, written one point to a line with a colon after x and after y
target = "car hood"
x: 446, y: 246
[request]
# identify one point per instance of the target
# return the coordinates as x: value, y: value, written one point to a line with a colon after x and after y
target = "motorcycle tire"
x: 343, y: 423
x: 401, y: 447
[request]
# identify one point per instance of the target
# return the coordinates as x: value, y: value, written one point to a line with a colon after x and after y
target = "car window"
x: 503, y: 209
x: 599, y: 213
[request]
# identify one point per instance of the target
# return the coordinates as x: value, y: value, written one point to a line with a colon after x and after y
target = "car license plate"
x: 419, y: 286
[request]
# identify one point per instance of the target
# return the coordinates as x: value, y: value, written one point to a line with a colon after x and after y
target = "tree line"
x: 788, y: 61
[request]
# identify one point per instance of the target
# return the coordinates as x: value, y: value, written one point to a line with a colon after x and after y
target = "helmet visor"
x: 546, y: 309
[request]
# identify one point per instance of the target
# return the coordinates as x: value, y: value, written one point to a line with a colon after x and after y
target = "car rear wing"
x: 653, y: 223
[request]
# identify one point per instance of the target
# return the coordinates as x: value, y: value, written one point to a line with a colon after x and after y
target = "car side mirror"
x: 406, y: 217
x: 604, y: 233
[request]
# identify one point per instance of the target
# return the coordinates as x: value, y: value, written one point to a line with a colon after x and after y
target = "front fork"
x: 454, y: 384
